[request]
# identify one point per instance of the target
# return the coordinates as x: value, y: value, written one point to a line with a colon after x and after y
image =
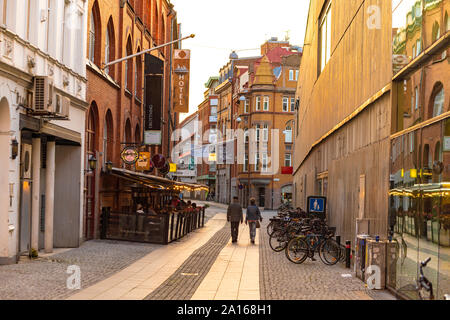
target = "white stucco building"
x: 42, y: 124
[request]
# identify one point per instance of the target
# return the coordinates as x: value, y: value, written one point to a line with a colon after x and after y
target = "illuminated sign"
x: 181, y: 80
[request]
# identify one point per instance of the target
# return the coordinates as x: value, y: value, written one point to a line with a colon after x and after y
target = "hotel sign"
x: 181, y: 80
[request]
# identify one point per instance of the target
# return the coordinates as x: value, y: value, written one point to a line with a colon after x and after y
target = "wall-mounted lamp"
x: 92, y: 162
x: 109, y: 166
x: 14, y: 149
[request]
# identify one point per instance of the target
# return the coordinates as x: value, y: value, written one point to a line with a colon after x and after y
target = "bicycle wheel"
x: 278, y: 240
x: 329, y: 252
x: 270, y: 228
x: 297, y: 250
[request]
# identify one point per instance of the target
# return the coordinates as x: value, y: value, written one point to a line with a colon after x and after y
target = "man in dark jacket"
x: 235, y: 216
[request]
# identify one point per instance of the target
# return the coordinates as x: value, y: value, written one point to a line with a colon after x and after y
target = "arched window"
x: 128, y: 66
x: 436, y: 33
x: 137, y: 134
x: 91, y: 129
x: 128, y: 131
x: 92, y: 38
x: 110, y: 47
x: 95, y: 34
x: 138, y: 76
x: 162, y: 37
x: 108, y: 130
x: 437, y: 100
x: 155, y: 21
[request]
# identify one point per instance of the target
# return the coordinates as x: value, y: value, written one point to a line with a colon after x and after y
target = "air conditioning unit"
x: 26, y: 161
x: 65, y: 107
x: 43, y: 95
x: 61, y: 106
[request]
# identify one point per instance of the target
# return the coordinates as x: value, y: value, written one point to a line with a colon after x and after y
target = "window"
x: 418, y: 47
x: 285, y: 104
x: 436, y: 33
x: 416, y: 94
x: 264, y: 162
x: 287, y: 160
x: 291, y: 75
x: 246, y: 137
x: 438, y: 104
x: 325, y: 37
x: 292, y: 104
x: 258, y: 128
x: 296, y: 74
x: 258, y: 103
x: 246, y: 104
x: 128, y: 66
x: 288, y: 134
x: 411, y: 142
x: 135, y: 80
x: 91, y: 38
x: 107, y: 50
x: 3, y: 8
x: 214, y: 111
x: 266, y: 133
x: 266, y: 103
x: 256, y: 161
x: 245, y: 162
x: 413, y: 51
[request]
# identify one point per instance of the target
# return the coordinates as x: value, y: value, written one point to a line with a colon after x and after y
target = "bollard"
x: 347, y: 253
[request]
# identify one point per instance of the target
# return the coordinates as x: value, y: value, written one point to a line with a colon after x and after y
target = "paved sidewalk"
x: 235, y: 274
x: 144, y: 276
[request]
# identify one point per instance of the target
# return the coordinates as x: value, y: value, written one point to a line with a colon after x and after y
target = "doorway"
x: 5, y: 146
x: 262, y: 197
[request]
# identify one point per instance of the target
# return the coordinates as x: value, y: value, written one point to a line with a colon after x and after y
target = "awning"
x: 156, y: 182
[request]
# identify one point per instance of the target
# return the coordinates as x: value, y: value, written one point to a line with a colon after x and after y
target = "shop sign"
x: 143, y: 163
x: 287, y: 170
x: 181, y: 80
x: 129, y: 155
x: 152, y: 137
x: 173, y: 167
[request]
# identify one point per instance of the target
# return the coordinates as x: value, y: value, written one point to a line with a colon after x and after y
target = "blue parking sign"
x: 317, y: 204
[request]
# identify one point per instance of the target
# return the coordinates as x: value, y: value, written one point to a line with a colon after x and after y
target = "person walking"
x: 235, y: 216
x: 253, y: 218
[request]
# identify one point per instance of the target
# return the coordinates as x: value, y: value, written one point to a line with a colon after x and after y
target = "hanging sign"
x: 173, y: 167
x: 143, y: 163
x: 129, y: 155
x: 181, y: 60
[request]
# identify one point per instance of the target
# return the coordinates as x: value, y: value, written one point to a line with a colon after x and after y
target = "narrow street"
x: 204, y: 265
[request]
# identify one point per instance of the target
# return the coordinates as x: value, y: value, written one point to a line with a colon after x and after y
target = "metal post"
x: 347, y: 253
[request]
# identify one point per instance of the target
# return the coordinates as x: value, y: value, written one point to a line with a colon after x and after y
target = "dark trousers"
x: 234, y: 230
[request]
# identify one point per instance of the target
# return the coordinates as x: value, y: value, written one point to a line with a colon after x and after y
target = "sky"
x: 221, y: 26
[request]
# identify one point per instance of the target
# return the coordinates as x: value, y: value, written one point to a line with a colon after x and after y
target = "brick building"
x: 116, y: 94
x: 264, y: 105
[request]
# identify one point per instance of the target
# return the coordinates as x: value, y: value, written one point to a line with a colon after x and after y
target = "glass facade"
x: 419, y: 218
x: 419, y: 196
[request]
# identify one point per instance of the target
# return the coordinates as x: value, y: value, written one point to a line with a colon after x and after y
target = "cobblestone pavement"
x: 45, y: 278
x: 281, y: 279
x: 185, y: 281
